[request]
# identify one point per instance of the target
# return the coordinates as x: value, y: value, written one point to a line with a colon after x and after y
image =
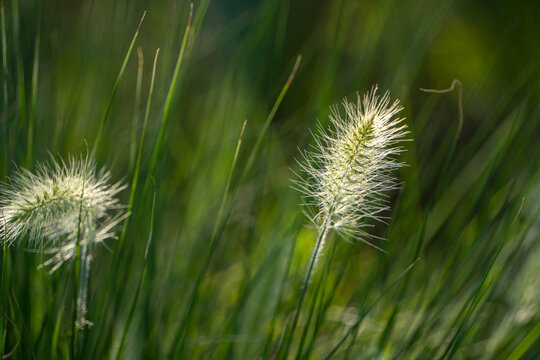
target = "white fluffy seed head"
x: 58, y: 204
x: 350, y: 167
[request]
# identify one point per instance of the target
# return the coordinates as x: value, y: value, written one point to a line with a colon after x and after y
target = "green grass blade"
x: 271, y: 326
x: 319, y: 243
x: 420, y: 240
x: 135, y: 179
x: 181, y: 333
x: 319, y: 293
x: 33, y: 96
x: 75, y: 338
x: 136, y: 112
x: 363, y: 315
x: 21, y: 93
x: 115, y: 88
x: 115, y: 264
x: 323, y: 307
x: 268, y: 121
x: 5, y: 75
x: 170, y: 96
x: 526, y: 344
x: 141, y: 279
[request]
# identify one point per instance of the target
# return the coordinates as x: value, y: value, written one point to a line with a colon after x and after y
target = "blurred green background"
x: 468, y: 205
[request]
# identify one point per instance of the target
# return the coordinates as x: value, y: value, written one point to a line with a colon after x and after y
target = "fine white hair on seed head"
x: 56, y: 205
x: 349, y: 169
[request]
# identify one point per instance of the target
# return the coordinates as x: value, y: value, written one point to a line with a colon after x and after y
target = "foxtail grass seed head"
x: 350, y: 167
x: 56, y: 205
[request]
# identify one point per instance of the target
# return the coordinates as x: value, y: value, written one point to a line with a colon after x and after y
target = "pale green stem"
x: 84, y: 277
x: 319, y: 244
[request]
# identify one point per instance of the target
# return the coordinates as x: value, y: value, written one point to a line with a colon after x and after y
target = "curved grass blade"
x: 361, y: 318
x: 33, y: 93
x: 181, y: 333
x: 115, y: 88
x: 170, y: 95
x: 141, y: 279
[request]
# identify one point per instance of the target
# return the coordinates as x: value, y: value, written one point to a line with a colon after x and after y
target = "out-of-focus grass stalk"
x: 135, y: 180
x: 255, y: 150
x: 170, y: 95
x: 264, y: 267
x: 321, y: 239
x: 324, y: 304
x: 421, y: 234
x: 77, y: 272
x: 482, y: 290
x: 3, y: 277
x: 114, y: 283
x: 526, y: 344
x: 33, y: 95
x: 21, y: 94
x: 318, y: 291
x: 5, y: 121
x: 141, y: 278
x: 181, y: 333
x: 355, y: 326
x: 115, y: 88
x: 56, y: 334
x: 223, y: 214
x: 271, y: 326
x: 5, y: 74
x: 136, y: 111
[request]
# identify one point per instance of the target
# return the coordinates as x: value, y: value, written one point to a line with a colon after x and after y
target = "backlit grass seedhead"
x: 350, y: 168
x: 58, y: 204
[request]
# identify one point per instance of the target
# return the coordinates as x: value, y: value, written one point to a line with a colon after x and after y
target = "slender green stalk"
x: 527, y: 343
x: 33, y: 96
x: 135, y: 180
x: 5, y: 117
x: 84, y: 282
x: 221, y: 219
x: 77, y: 269
x: 421, y: 234
x: 141, y: 279
x: 21, y: 94
x: 170, y: 95
x: 319, y: 293
x: 353, y: 328
x: 324, y: 305
x: 271, y: 326
x: 136, y: 112
x: 115, y: 264
x: 115, y: 88
x: 269, y: 118
x: 5, y: 121
x: 115, y: 282
x: 321, y: 239
x: 56, y: 335
x: 134, y: 188
x: 3, y: 277
x: 476, y: 297
x: 181, y: 333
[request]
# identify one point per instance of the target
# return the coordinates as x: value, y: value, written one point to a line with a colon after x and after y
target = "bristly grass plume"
x: 63, y: 209
x: 46, y: 207
x: 350, y: 168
